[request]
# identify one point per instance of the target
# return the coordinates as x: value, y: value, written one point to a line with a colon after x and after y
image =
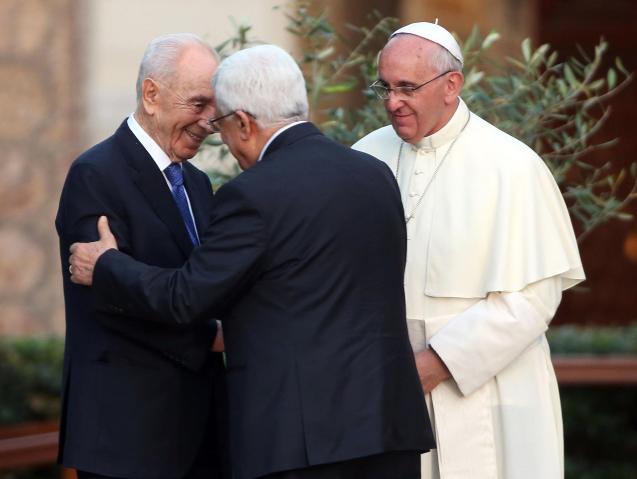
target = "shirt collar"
x: 275, y: 134
x: 448, y: 132
x: 154, y: 150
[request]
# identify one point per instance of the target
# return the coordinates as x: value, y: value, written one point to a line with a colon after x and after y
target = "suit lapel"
x: 153, y: 186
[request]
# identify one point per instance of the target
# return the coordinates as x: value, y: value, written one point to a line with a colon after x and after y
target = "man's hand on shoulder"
x: 431, y: 369
x: 85, y: 255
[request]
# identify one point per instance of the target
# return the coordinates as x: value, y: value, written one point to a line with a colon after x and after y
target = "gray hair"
x: 161, y: 57
x: 443, y: 61
x: 264, y: 81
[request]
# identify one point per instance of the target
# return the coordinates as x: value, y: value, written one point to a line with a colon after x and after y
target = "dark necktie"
x: 176, y: 178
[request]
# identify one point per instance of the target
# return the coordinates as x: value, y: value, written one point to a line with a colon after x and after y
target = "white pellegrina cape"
x: 490, y: 248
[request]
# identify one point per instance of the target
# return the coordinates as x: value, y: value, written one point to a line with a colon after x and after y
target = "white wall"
x: 117, y: 32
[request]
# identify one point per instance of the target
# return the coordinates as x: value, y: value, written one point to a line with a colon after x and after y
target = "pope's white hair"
x: 443, y: 61
x: 161, y: 57
x: 264, y: 81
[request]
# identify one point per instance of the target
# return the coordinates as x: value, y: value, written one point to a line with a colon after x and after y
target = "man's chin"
x: 189, y: 151
x: 404, y: 133
x: 402, y: 130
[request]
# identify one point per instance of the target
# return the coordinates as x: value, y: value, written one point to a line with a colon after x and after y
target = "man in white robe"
x: 490, y: 250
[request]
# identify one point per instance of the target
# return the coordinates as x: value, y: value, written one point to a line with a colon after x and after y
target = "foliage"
x: 554, y: 106
x: 599, y: 422
x: 571, y: 339
x: 600, y: 432
x: 331, y: 70
x: 557, y: 108
x: 30, y: 379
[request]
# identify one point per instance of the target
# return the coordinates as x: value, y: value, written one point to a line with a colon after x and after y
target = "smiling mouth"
x: 397, y: 117
x: 195, y: 137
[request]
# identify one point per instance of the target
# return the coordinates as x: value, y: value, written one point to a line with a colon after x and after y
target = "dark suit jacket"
x: 304, y: 258
x: 139, y: 397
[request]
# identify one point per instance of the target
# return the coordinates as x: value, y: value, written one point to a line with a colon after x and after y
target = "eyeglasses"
x: 212, y: 122
x: 382, y: 90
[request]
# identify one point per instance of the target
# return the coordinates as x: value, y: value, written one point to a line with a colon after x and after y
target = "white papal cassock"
x: 490, y: 249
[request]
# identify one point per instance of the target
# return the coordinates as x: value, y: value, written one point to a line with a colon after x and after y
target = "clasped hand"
x: 85, y: 255
x: 431, y: 369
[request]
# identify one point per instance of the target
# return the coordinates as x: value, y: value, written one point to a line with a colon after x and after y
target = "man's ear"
x: 246, y: 124
x: 150, y: 95
x: 453, y: 86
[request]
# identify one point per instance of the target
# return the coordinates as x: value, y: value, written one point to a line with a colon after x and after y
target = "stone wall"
x: 39, y: 132
x: 67, y: 75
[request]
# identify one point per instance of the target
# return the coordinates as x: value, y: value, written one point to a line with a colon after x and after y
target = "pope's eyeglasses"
x: 383, y: 91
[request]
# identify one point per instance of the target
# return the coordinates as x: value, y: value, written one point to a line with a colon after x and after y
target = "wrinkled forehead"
x: 195, y: 64
x: 404, y: 54
x: 412, y: 46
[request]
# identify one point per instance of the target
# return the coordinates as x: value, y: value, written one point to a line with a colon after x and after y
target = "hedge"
x: 600, y: 423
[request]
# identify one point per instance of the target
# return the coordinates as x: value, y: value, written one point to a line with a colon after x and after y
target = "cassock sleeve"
x: 484, y: 339
x: 216, y: 273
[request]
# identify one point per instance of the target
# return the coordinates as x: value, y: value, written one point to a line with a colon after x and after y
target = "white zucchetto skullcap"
x: 434, y: 33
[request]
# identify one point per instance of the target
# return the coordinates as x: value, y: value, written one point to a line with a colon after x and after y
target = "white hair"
x: 162, y: 54
x: 263, y: 81
x: 443, y: 61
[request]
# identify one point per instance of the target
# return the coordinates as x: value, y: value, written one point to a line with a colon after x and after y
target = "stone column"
x: 39, y: 131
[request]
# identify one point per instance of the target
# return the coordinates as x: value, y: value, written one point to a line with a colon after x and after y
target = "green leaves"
x: 30, y: 378
x: 526, y: 50
x: 240, y: 40
x: 341, y: 87
x: 341, y: 63
x: 571, y: 339
x: 556, y: 106
x: 611, y: 78
x: 489, y: 40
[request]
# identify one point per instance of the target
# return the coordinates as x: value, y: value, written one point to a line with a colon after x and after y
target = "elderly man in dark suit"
x: 303, y: 260
x: 142, y: 398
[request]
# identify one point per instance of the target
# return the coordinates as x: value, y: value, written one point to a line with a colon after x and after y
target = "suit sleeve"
x: 217, y: 272
x: 483, y: 340
x: 84, y: 199
x: 86, y: 196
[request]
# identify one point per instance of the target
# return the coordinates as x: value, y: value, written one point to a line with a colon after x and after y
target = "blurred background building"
x: 67, y: 74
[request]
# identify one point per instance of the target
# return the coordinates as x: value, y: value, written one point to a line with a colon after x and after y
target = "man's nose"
x: 393, y: 101
x: 205, y: 124
x: 204, y: 119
